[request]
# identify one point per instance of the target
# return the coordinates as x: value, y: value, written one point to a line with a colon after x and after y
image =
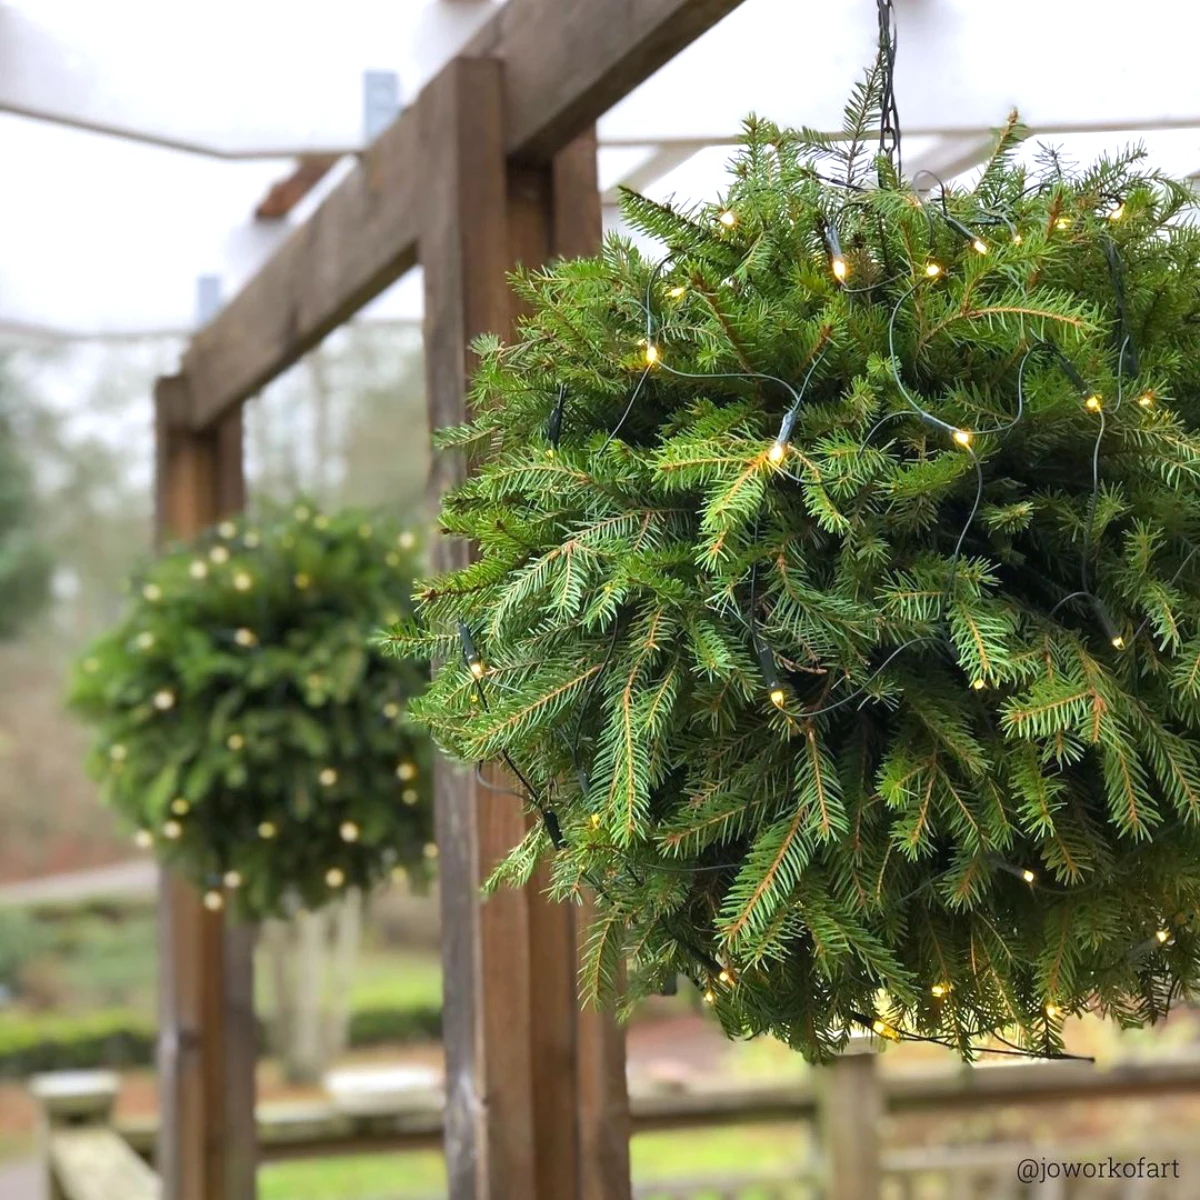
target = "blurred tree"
x: 24, y: 560
x: 79, y: 423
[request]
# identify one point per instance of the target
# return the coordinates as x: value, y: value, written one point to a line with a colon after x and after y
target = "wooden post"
x: 852, y: 1109
x: 207, y: 1035
x: 536, y: 1104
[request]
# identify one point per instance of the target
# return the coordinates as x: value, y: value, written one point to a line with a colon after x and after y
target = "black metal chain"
x: 889, y: 124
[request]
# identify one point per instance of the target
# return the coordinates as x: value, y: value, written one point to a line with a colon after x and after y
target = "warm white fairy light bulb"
x: 152, y: 592
x: 267, y: 830
x: 328, y: 777
x: 233, y: 880
x: 219, y: 554
x: 963, y: 437
x: 172, y: 830
x: 335, y: 877
x: 164, y: 700
x: 214, y: 901
x: 349, y: 831
x: 932, y: 270
x: 144, y: 839
x: 728, y: 218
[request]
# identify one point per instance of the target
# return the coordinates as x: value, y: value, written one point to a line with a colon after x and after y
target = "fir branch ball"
x: 838, y: 593
x: 243, y: 727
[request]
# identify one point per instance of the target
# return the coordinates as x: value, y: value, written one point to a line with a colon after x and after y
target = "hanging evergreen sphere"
x: 242, y: 726
x: 838, y: 594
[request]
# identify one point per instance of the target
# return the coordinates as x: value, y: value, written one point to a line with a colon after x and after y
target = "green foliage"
x: 242, y: 726
x: 32, y: 1042
x: 21, y: 939
x: 24, y: 563
x: 985, y: 660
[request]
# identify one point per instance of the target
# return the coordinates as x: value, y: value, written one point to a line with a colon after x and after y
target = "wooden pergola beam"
x: 207, y: 1034
x: 565, y: 62
x: 536, y: 1103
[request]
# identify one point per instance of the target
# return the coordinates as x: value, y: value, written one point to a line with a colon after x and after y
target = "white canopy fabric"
x: 125, y: 127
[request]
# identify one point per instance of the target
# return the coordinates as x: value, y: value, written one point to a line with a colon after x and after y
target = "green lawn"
x: 402, y: 979
x: 657, y: 1157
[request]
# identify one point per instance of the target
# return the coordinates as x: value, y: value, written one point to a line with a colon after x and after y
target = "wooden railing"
x: 88, y: 1158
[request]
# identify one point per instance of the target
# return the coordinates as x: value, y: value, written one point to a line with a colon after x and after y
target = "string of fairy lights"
x: 927, y: 273
x: 217, y: 555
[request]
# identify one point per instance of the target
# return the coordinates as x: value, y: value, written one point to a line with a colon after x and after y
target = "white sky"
x: 100, y: 235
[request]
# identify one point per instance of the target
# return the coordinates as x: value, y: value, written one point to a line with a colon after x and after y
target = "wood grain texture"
x: 565, y: 63
x: 207, y: 1034
x: 514, y: 1060
x: 852, y: 1110
x: 489, y: 1132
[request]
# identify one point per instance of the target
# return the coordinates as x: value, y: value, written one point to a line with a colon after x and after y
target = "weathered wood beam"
x: 207, y: 1032
x: 485, y: 965
x: 361, y: 238
x: 528, y: 1079
x: 565, y: 63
